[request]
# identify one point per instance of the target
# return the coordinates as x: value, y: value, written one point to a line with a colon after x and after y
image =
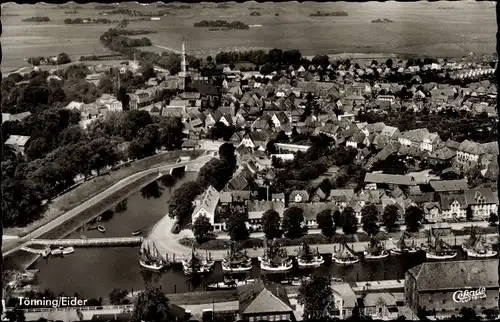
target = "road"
x: 12, y: 247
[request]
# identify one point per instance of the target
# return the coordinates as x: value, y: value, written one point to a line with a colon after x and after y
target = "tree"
x: 237, y: 227
x: 271, y: 223
x: 337, y: 218
x: 294, y: 224
x: 271, y: 147
x: 181, y: 203
x: 326, y: 223
x: 152, y: 306
x: 349, y: 221
x: 214, y: 173
x: 145, y: 143
x: 390, y: 216
x: 369, y: 219
x: 168, y: 181
x: 17, y: 315
x: 315, y: 296
x: 493, y: 219
x: 116, y: 296
x: 468, y: 313
x: 170, y: 132
x: 227, y: 154
x: 201, y: 228
x: 413, y: 218
x: 389, y: 63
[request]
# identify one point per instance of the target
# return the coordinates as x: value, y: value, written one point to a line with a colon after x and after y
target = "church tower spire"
x: 183, y: 66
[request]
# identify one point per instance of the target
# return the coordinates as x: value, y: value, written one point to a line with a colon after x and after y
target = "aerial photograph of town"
x: 249, y: 161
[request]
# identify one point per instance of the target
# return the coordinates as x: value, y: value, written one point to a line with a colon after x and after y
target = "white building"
x: 205, y: 205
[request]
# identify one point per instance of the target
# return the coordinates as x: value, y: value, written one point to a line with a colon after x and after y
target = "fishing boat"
x: 345, y: 256
x: 83, y: 237
x: 195, y: 264
x: 438, y: 249
x: 92, y: 227
x: 229, y: 284
x: 307, y: 258
x: 101, y: 229
x: 137, y: 232
x: 236, y: 260
x: 376, y: 250
x: 402, y: 247
x: 275, y: 258
x: 68, y: 250
x: 477, y: 247
x: 149, y: 256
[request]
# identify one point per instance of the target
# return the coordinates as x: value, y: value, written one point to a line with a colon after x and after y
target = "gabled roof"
x: 449, y: 185
x: 395, y: 179
x: 447, y: 200
x: 262, y: 297
x: 341, y: 194
x: 471, y: 147
x: 208, y: 200
x: 440, y: 276
x: 479, y: 196
x: 303, y: 194
x: 19, y: 140
x: 311, y: 210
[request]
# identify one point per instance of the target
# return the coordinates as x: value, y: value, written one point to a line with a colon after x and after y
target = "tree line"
x: 221, y: 24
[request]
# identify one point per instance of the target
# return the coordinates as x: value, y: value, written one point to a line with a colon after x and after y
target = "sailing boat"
x: 477, y: 247
x: 275, y: 258
x: 345, y: 256
x: 438, y: 249
x: 307, y: 258
x: 236, y: 261
x: 376, y: 250
x: 402, y: 247
x: 149, y: 256
x: 195, y: 264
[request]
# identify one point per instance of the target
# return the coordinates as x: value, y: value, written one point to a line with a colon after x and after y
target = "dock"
x: 31, y: 250
x: 89, y: 242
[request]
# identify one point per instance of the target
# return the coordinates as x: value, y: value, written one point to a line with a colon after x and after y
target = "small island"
x: 385, y: 20
x: 78, y: 21
x: 71, y: 12
x: 221, y: 25
x: 60, y: 59
x: 255, y: 14
x: 36, y: 19
x: 329, y: 14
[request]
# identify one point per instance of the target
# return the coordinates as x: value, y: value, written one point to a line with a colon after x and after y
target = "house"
x: 318, y: 195
x: 280, y: 197
x: 298, y: 196
x: 468, y: 152
x: 344, y: 299
x: 358, y: 140
x: 421, y: 139
x: 481, y: 202
x: 432, y: 211
x: 94, y: 78
x: 341, y: 197
x: 15, y: 117
x: 110, y: 102
x: 439, y: 286
x: 442, y: 157
x: 257, y: 208
x: 453, y: 207
x: 311, y: 211
x: 390, y: 132
x: 205, y: 205
x: 392, y: 180
x: 17, y: 142
x: 207, y: 91
x: 262, y: 301
x: 380, y: 306
x: 449, y: 185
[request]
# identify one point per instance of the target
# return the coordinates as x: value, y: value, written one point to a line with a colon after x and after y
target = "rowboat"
x: 101, y: 229
x: 137, y: 232
x: 68, y: 250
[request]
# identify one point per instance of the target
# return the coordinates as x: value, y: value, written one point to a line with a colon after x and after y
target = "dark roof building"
x: 441, y: 286
x: 264, y: 301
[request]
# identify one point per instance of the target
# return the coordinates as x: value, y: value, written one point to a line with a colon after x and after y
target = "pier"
x: 88, y: 242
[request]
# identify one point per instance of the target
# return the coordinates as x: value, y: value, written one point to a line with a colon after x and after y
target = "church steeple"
x: 184, y: 64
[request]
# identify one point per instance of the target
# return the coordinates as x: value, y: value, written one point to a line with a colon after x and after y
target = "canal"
x: 93, y: 272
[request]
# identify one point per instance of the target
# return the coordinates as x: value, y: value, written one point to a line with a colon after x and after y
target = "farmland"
x: 418, y: 28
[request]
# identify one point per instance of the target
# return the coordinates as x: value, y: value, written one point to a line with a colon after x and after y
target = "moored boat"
x: 236, y: 260
x: 137, y: 232
x: 438, y: 249
x: 150, y: 258
x: 101, y: 229
x: 402, y: 247
x: 275, y: 258
x: 46, y: 252
x: 229, y: 284
x: 376, y: 250
x: 57, y: 251
x: 68, y: 250
x: 195, y: 264
x: 307, y: 258
x: 477, y: 247
x: 345, y: 256
x: 296, y: 281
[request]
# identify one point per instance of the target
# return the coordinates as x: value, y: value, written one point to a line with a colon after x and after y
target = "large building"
x: 446, y: 287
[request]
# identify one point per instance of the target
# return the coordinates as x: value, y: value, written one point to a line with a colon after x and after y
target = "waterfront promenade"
x: 92, y: 202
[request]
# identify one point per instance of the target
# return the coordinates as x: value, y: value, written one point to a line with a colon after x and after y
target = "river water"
x: 93, y: 272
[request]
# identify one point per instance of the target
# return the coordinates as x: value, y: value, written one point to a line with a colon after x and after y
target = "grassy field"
x: 418, y: 28
x: 93, y: 187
